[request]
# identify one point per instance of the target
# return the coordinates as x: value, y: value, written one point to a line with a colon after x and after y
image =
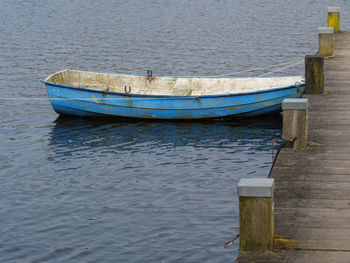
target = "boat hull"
x: 70, y: 100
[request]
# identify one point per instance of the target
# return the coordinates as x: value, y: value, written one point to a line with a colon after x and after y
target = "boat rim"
x: 301, y: 84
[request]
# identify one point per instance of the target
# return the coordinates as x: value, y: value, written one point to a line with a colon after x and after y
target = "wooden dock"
x: 312, y: 186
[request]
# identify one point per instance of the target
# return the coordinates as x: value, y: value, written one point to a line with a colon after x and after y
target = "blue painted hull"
x: 86, y: 102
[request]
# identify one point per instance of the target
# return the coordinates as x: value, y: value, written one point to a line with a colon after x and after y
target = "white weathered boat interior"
x: 167, y: 85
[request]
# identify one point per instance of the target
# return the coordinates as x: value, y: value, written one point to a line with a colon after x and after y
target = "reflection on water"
x: 75, y: 132
x: 161, y: 186
x: 82, y: 190
x: 162, y: 147
x: 146, y: 144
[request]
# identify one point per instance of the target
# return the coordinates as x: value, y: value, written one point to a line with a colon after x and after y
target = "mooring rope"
x: 277, y: 70
x: 289, y: 65
x: 295, y: 62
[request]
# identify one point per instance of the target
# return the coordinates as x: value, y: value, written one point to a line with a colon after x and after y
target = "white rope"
x: 22, y: 98
x: 250, y: 70
x: 223, y: 75
x: 277, y: 70
x: 257, y: 69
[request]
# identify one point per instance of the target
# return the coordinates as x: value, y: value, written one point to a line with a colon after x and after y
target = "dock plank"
x: 312, y: 194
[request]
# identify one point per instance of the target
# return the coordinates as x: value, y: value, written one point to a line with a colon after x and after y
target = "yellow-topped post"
x: 334, y: 18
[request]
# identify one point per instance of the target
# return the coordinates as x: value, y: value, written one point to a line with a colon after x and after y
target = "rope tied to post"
x: 277, y: 70
x: 230, y: 242
x: 288, y: 64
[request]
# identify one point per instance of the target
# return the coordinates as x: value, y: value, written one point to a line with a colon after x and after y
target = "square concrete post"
x: 334, y: 18
x: 295, y: 121
x: 325, y: 41
x: 256, y: 220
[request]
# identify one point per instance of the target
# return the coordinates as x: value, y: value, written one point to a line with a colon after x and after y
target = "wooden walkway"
x: 312, y: 194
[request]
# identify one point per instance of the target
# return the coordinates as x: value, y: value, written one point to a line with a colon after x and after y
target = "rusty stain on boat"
x: 95, y: 100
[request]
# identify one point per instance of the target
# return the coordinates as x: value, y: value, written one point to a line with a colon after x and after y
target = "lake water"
x: 84, y: 190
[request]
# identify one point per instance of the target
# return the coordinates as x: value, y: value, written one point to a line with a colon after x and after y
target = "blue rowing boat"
x: 84, y: 93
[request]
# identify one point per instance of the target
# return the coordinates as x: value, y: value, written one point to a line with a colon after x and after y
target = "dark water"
x: 82, y: 190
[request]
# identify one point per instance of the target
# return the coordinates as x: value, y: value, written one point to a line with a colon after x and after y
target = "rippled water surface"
x: 87, y: 190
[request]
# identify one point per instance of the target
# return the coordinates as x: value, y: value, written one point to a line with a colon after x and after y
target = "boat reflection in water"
x: 121, y: 133
x: 161, y: 185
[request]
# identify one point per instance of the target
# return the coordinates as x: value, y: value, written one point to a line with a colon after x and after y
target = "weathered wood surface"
x: 256, y: 224
x: 295, y: 127
x: 325, y: 42
x: 334, y: 18
x: 312, y: 194
x: 314, y: 74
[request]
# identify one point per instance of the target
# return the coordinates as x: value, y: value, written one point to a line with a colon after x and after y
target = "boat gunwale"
x: 302, y: 83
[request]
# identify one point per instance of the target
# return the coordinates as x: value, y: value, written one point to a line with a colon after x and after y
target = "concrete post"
x: 256, y: 220
x: 314, y: 76
x: 334, y: 18
x: 325, y: 41
x: 295, y: 123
